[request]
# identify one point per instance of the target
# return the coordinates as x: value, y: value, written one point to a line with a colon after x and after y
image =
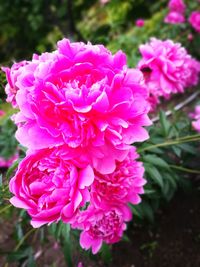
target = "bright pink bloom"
x: 51, y: 185
x: 196, y: 117
x: 12, y: 76
x: 139, y: 23
x: 194, y: 20
x: 174, y: 17
x: 177, y: 5
x: 102, y: 225
x: 6, y: 163
x: 167, y: 67
x: 124, y: 185
x: 83, y: 96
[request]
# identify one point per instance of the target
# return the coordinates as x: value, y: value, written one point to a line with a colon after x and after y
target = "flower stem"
x: 185, y: 169
x: 24, y: 238
x: 169, y: 143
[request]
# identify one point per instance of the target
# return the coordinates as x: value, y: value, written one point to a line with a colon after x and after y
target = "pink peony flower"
x: 124, y: 185
x: 174, y: 17
x: 177, y: 6
x: 51, y: 185
x: 102, y: 225
x: 168, y: 68
x: 2, y: 113
x: 6, y: 163
x: 83, y: 96
x: 194, y: 20
x: 139, y: 23
x: 196, y: 117
x: 12, y: 76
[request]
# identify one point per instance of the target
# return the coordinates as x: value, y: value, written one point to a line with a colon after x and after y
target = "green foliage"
x: 8, y: 143
x: 167, y: 158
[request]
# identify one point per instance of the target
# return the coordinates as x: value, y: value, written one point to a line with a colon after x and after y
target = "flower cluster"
x: 176, y: 12
x: 168, y: 69
x: 196, y: 116
x: 80, y: 109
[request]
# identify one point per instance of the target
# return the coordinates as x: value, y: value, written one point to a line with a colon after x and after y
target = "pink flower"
x: 177, y: 5
x: 102, y: 225
x: 12, y: 76
x: 139, y: 23
x: 124, y: 185
x: 51, y: 185
x: 83, y: 96
x: 6, y: 163
x: 194, y: 20
x: 174, y: 17
x: 2, y: 113
x: 168, y: 68
x: 196, y: 117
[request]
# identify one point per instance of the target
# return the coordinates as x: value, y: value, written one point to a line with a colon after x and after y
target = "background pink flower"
x: 196, y: 116
x: 177, y: 5
x: 83, y: 96
x: 12, y: 76
x: 102, y: 225
x: 194, y: 20
x: 139, y: 23
x: 6, y: 163
x: 51, y: 186
x: 167, y: 67
x: 174, y: 17
x: 124, y: 185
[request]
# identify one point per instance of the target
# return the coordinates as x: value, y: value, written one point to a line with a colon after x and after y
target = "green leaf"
x: 147, y: 211
x: 164, y: 123
x: 19, y: 255
x: 11, y: 169
x: 188, y: 148
x: 155, y: 160
x: 154, y: 174
x: 106, y: 253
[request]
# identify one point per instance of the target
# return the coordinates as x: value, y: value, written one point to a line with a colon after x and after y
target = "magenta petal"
x: 19, y: 203
x: 96, y: 245
x: 85, y: 240
x: 37, y: 224
x: 86, y: 177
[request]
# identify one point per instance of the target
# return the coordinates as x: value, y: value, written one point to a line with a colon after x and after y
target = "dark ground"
x: 173, y: 241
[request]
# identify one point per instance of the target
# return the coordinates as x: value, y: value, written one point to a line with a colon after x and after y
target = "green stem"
x: 185, y: 169
x: 5, y: 208
x: 23, y: 239
x: 169, y: 143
